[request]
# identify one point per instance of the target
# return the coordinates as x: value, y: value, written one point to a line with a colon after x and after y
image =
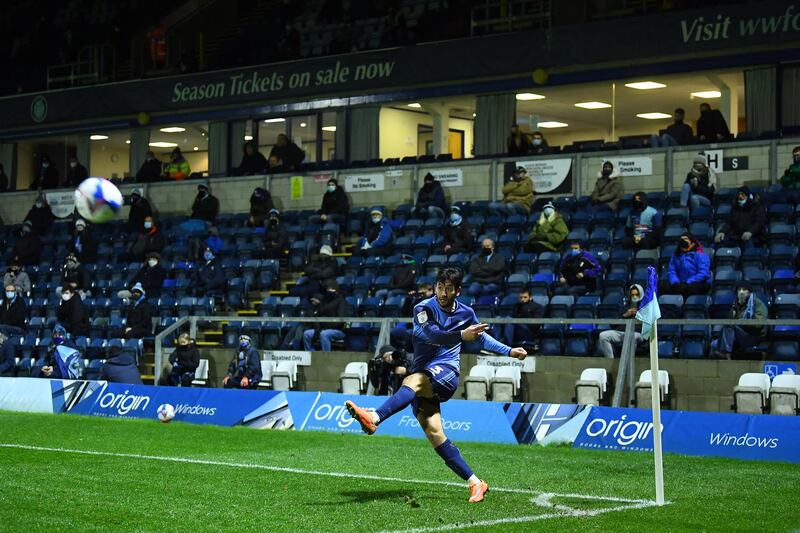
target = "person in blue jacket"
x: 120, y: 367
x: 209, y: 277
x: 244, y: 370
x: 63, y: 360
x: 689, y: 269
x: 378, y: 234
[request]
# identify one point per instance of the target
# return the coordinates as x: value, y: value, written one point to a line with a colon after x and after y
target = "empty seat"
x: 477, y: 383
x: 284, y: 376
x: 354, y: 378
x: 505, y: 383
x: 644, y: 388
x: 784, y: 395
x: 266, y: 374
x: 201, y: 374
x: 751, y: 394
x: 590, y: 389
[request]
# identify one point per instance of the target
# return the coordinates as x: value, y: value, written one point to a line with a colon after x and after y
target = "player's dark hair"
x: 451, y: 275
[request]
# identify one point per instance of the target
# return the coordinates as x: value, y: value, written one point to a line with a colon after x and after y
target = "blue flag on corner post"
x: 649, y: 311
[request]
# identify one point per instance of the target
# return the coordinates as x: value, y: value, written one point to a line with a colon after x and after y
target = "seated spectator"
x: 387, y: 370
x: 7, y: 355
x: 28, y: 248
x: 178, y: 167
x: 517, y: 195
x: 209, y: 279
x: 244, y: 370
x: 76, y: 173
x: 205, y: 206
x: 320, y: 271
x: 18, y: 278
x: 746, y: 224
x: 82, y: 243
x: 549, y: 232
x: 525, y: 308
x: 47, y: 178
x: 330, y: 303
x: 260, y: 207
x: 700, y: 184
x: 120, y: 367
x: 677, y: 134
x: 517, y: 142
x: 275, y: 165
x: 578, y: 271
x: 140, y: 210
x: 253, y: 161
x: 400, y: 334
x: 198, y: 243
x: 643, y: 228
x: 378, y: 235
x: 430, y: 199
x: 404, y: 279
x: 184, y: 360
x: 689, y: 270
x: 457, y: 235
x: 711, y: 126
x: 486, y: 270
x: 139, y: 317
x: 150, y: 169
x: 40, y: 216
x: 790, y: 181
x: 335, y: 205
x: 150, y: 277
x: 63, y: 360
x: 72, y: 313
x: 13, y: 312
x: 288, y: 152
x: 276, y: 238
x: 150, y: 240
x: 539, y: 144
x: 611, y: 338
x: 737, y: 338
x: 608, y: 190
x: 75, y: 276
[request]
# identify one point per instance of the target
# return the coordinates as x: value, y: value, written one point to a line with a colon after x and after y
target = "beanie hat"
x: 699, y: 159
x: 325, y: 250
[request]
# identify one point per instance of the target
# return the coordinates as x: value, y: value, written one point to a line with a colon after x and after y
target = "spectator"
x: 72, y: 313
x: 611, y: 338
x: 4, y: 181
x: 578, y: 271
x: 253, y: 161
x: 404, y: 278
x: 275, y: 165
x: 184, y: 360
x: 209, y: 276
x: 18, y: 278
x: 76, y: 173
x: 711, y: 126
x: 335, y: 205
x: 525, y: 308
x: 28, y: 247
x: 517, y: 195
x: 746, y: 223
x: 139, y: 320
x: 790, y: 181
x: 387, y: 369
x: 746, y: 306
x: 689, y: 270
x: 400, y: 334
x: 700, y: 184
x: 198, y: 245
x: 643, y: 228
x: 140, y: 210
x: 676, y: 134
x: 206, y: 205
x: 63, y: 360
x: 430, y: 199
x: 486, y: 270
x: 260, y: 207
x: 149, y: 240
x: 457, y: 235
x: 319, y: 272
x: 82, y: 243
x: 539, y: 145
x: 608, y: 190
x: 244, y: 370
x: 549, y: 232
x: 7, y: 355
x: 276, y: 238
x: 40, y: 215
x: 178, y: 167
x: 150, y: 277
x: 378, y: 235
x: 330, y: 303
x: 150, y: 169
x: 48, y: 175
x: 13, y: 312
x: 289, y: 153
x: 120, y: 367
x: 75, y: 276
x: 518, y: 144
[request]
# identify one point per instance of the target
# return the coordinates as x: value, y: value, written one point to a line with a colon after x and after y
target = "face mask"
x: 486, y: 251
x: 537, y: 142
x: 137, y: 296
x: 11, y: 294
x: 58, y: 340
x: 208, y: 256
x: 743, y: 296
x: 66, y: 297
x: 73, y: 164
x: 202, y: 194
x: 80, y: 228
x: 376, y: 220
x: 606, y: 172
x: 573, y: 252
x: 796, y: 158
x: 38, y: 205
x: 636, y: 299
x: 273, y: 221
x: 428, y: 184
x: 244, y: 345
x: 152, y: 262
x: 741, y: 202
x: 698, y: 167
x: 685, y: 245
x: 548, y: 211
x: 25, y: 230
x: 331, y: 188
x: 71, y: 264
x: 45, y: 165
x: 148, y: 225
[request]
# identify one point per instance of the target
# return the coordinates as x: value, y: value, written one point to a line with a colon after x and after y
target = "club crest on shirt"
x: 422, y: 317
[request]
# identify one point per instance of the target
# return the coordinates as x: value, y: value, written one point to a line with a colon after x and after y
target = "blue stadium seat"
x: 485, y: 305
x: 541, y: 282
x: 524, y: 262
x: 580, y: 340
x: 785, y: 343
x: 781, y: 233
x: 610, y: 306
x: 786, y: 306
x: 517, y: 281
x: 694, y: 342
x: 551, y: 339
x: 721, y: 303
x: 393, y: 306
x: 289, y: 306
x: 726, y: 279
x: 782, y: 256
x: 560, y: 306
x: 645, y: 258
x: 507, y: 304
x: 586, y: 306
x: 671, y: 305
x: 370, y: 307
x: 696, y: 306
x: 616, y: 283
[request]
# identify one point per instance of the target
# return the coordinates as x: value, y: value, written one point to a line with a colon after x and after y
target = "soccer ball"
x: 97, y: 200
x: 165, y: 412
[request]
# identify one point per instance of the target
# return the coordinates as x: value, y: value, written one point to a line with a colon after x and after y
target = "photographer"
x: 387, y: 370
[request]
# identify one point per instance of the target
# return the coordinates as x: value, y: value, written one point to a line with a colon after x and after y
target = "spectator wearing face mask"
x: 430, y: 199
x: 120, y: 367
x: 260, y: 206
x: 209, y: 277
x: 525, y: 308
x: 643, y: 228
x: 518, y: 144
x: 13, y: 312
x: 75, y: 276
x: 72, y: 313
x: 140, y: 210
x: 205, y: 206
x: 335, y: 205
x: 82, y: 243
x: 378, y: 235
x: 677, y: 134
x: 150, y: 277
x: 47, y: 177
x: 612, y: 338
x: 253, y: 161
x: 139, y: 317
x: 577, y: 272
x: 746, y: 223
x: 457, y: 235
x: 790, y: 181
x: 608, y: 190
x: 487, y: 270
x: 40, y: 216
x: 539, y: 144
x: 150, y: 169
x: 76, y: 173
x: 739, y: 338
x: 244, y: 370
x: 149, y: 240
x: 700, y: 185
x: 404, y: 279
x: 549, y: 232
x: 178, y: 167
x: 184, y: 360
x: 18, y: 278
x: 517, y: 195
x: 711, y: 126
x: 63, y: 360
x: 276, y: 238
x: 331, y: 303
x: 319, y: 272
x: 28, y: 247
x: 689, y: 270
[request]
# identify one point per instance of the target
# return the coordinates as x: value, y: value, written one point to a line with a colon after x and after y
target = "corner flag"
x: 649, y: 311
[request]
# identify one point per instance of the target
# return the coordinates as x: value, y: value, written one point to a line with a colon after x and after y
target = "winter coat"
x: 83, y: 246
x: 140, y: 317
x: 759, y: 313
x: 689, y: 267
x: 41, y: 219
x: 488, y: 269
x: 210, y: 277
x: 404, y: 277
x: 150, y: 241
x: 324, y: 267
x: 681, y: 132
x: 260, y: 207
x: 47, y: 179
x: 139, y: 211
x: 377, y: 235
x: 290, y: 154
x: 276, y: 241
x: 432, y: 195
x: 252, y: 164
x: 21, y: 281
x: 246, y: 363
x: 187, y: 357
x: 79, y: 276
x: 151, y: 278
x: 748, y: 217
x: 149, y: 171
x: 74, y: 316
x: 121, y: 369
x: 178, y: 170
x: 549, y: 232
x: 14, y: 313
x: 584, y: 263
x: 28, y: 249
x: 706, y: 183
x: 642, y: 223
x: 519, y: 192
x: 518, y: 145
x: 335, y: 203
x: 791, y: 178
x: 608, y: 191
x: 710, y: 124
x: 458, y: 237
x: 335, y: 306
x: 205, y: 208
x: 75, y: 176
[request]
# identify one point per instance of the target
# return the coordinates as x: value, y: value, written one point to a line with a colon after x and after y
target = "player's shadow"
x: 366, y: 496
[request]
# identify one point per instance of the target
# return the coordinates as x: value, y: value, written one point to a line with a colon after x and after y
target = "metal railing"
x: 94, y: 63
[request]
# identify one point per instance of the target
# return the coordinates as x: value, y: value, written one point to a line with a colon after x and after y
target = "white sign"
x: 62, y: 204
x: 394, y: 173
x: 299, y: 357
x: 449, y: 177
x: 632, y: 166
x: 527, y: 366
x: 364, y: 183
x: 547, y: 174
x: 714, y: 158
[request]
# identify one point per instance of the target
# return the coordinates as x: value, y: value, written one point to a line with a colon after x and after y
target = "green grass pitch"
x: 71, y: 473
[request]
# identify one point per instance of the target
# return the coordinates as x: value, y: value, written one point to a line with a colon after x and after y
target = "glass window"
x: 191, y: 139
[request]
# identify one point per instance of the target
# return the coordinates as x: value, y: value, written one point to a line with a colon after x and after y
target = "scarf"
x: 751, y: 307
